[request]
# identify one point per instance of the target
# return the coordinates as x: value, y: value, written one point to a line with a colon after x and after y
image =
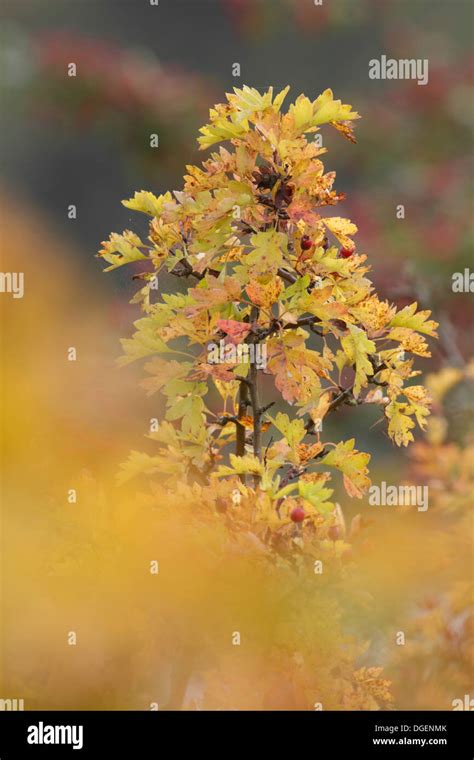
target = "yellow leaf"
x: 144, y: 342
x: 409, y: 317
x: 326, y: 109
x: 357, y: 347
x: 121, y: 249
x: 148, y: 203
x: 373, y: 314
x: 318, y: 412
x: 302, y: 112
x: 246, y: 465
x: 419, y: 403
x: 353, y: 465
x: 227, y: 390
x: 278, y: 100
x: 293, y: 430
x: 264, y: 294
x: 305, y: 452
x: 410, y: 341
x: 314, y: 492
x: 342, y: 229
x: 400, y: 424
x: 249, y: 102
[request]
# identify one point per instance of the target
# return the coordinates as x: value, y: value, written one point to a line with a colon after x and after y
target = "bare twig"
x: 184, y: 269
x: 288, y: 276
x: 277, y: 325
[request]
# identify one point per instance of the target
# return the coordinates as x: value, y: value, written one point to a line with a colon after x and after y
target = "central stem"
x: 244, y: 401
x: 254, y: 396
x: 255, y: 403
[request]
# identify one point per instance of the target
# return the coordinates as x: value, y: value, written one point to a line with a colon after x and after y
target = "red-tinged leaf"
x: 236, y: 331
x: 303, y: 208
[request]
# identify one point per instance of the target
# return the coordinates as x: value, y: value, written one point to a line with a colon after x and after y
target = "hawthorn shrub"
x: 268, y: 272
x: 277, y: 309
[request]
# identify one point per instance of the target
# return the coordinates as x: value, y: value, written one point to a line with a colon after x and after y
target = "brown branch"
x: 293, y: 473
x: 243, y: 404
x: 346, y: 394
x: 302, y: 322
x: 184, y: 269
x: 315, y: 330
x: 288, y: 276
x: 222, y: 421
x: 257, y: 414
x: 267, y: 406
x: 277, y: 325
x: 266, y: 450
x: 340, y: 399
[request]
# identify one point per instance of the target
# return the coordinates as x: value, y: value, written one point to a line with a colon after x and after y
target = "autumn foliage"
x: 266, y: 268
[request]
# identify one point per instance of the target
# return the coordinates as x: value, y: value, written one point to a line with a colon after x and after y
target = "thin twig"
x: 288, y: 276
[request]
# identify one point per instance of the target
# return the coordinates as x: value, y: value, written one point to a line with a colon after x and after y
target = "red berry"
x: 306, y: 243
x: 297, y: 514
x: 346, y: 253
